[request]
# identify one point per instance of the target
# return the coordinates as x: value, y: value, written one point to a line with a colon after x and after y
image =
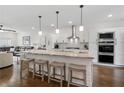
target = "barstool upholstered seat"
x: 77, y: 67
x: 57, y: 64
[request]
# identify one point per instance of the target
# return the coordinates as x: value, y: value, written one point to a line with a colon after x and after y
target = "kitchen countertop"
x: 81, y: 54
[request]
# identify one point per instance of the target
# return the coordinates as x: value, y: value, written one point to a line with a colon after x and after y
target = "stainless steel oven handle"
x: 96, y: 41
x: 115, y: 41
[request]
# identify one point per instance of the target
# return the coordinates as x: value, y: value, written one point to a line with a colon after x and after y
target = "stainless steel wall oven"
x: 106, y: 47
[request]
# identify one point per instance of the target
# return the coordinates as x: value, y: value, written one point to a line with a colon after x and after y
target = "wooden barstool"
x: 57, y: 65
x: 76, y: 68
x: 41, y: 72
x: 24, y: 66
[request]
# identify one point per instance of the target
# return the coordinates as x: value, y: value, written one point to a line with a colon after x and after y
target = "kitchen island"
x: 82, y: 58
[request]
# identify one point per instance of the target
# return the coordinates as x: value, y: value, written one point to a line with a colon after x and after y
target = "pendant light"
x: 40, y: 31
x: 81, y: 27
x: 57, y: 23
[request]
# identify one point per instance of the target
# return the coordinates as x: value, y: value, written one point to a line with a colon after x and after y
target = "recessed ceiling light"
x: 52, y: 25
x: 70, y: 22
x: 110, y: 15
x: 32, y: 28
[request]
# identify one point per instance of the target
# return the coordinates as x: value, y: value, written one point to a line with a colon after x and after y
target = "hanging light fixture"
x: 81, y: 27
x: 40, y: 31
x: 57, y: 23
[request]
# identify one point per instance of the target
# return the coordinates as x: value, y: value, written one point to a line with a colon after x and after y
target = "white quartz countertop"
x: 82, y: 54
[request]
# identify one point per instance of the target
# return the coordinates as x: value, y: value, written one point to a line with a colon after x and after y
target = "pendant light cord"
x: 81, y: 16
x: 81, y: 6
x: 40, y: 22
x: 57, y: 21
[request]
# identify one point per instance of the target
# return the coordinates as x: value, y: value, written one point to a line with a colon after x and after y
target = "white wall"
x: 8, y: 39
x: 36, y: 40
x: 51, y: 37
x: 119, y: 47
x: 93, y: 43
x: 20, y: 35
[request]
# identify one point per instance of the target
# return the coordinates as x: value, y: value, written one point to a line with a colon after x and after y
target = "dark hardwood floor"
x: 102, y: 77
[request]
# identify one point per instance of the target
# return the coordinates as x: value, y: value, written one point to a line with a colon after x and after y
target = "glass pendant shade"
x: 57, y: 31
x: 40, y: 33
x: 81, y: 28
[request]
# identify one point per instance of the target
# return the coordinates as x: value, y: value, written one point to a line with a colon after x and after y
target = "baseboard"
x: 109, y: 65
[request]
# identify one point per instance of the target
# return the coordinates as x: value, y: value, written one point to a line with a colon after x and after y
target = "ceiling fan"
x: 6, y: 30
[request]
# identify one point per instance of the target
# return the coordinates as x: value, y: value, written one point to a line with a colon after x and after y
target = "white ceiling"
x: 25, y: 17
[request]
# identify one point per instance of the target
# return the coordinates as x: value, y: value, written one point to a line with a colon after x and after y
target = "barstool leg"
x: 69, y: 77
x: 34, y: 70
x: 61, y: 78
x: 27, y: 70
x: 85, y: 78
x: 21, y: 70
x: 49, y: 68
x: 65, y: 73
x: 54, y: 72
x: 28, y: 67
x: 39, y: 69
x: 42, y: 72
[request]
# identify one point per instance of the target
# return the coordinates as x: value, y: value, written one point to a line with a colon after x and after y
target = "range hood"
x: 74, y: 38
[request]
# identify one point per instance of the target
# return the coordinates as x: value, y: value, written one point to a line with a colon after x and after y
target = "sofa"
x: 6, y: 59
